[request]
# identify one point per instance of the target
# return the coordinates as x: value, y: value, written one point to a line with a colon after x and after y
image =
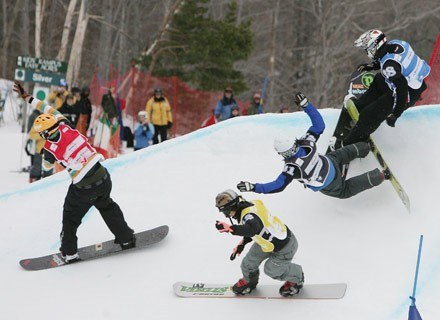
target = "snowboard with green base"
x: 208, y: 290
x: 354, y: 114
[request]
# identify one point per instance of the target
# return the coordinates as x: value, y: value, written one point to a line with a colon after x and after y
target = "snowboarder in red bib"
x: 273, y: 241
x: 91, y: 183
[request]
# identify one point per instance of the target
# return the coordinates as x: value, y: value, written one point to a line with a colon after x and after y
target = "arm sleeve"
x: 48, y: 161
x: 44, y: 108
x: 218, y: 109
x: 392, y: 70
x: 318, y: 125
x: 149, y: 109
x: 169, y: 114
x: 275, y: 186
x: 250, y: 228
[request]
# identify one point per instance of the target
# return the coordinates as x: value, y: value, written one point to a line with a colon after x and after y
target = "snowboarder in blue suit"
x: 317, y: 172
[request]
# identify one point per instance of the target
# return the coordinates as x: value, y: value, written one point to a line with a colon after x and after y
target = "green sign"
x: 41, y: 64
x: 39, y: 77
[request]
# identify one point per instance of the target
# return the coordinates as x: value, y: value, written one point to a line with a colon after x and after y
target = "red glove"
x: 223, y: 226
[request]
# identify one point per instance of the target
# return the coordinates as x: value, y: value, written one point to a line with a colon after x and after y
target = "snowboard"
x: 359, y: 83
x: 309, y: 291
x: 95, y: 251
x: 354, y: 114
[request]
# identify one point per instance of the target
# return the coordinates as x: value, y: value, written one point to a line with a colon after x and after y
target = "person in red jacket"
x: 91, y: 184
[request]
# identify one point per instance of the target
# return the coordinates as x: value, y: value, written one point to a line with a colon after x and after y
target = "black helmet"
x: 227, y: 201
x: 157, y: 90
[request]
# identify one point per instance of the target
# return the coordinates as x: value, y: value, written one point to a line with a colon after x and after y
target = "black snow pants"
x: 375, y: 106
x: 79, y: 200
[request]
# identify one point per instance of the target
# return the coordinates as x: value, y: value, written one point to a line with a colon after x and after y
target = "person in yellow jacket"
x: 159, y: 114
x: 33, y: 148
x: 273, y: 241
x: 57, y: 97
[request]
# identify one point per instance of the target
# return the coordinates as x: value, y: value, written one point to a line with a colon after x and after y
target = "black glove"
x: 301, y: 100
x: 20, y: 90
x: 237, y: 250
x: 245, y: 186
x: 27, y: 147
x: 223, y: 226
x: 391, y: 120
x: 169, y: 125
x: 367, y: 66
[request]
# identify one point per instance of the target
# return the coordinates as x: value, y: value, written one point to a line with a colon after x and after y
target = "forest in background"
x: 302, y: 45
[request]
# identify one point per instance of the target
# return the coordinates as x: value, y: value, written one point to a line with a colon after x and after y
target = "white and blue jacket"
x: 306, y: 165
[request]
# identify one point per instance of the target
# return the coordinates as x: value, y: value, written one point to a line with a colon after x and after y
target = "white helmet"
x: 142, y: 113
x: 285, y: 146
x: 371, y: 41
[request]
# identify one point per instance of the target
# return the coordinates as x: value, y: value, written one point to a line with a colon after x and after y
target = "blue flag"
x: 414, y: 313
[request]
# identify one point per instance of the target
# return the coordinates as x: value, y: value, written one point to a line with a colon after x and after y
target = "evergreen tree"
x: 202, y: 51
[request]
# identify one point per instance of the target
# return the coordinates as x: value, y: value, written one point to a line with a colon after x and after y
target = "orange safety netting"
x: 432, y: 94
x: 190, y: 107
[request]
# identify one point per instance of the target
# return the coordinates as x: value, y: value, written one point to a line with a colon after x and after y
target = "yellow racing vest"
x: 273, y: 227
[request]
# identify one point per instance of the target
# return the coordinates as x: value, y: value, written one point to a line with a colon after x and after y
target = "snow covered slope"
x: 369, y: 241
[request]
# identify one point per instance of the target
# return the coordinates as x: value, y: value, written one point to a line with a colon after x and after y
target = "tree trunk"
x: 75, y: 55
x: 66, y: 30
x: 165, y: 25
x: 273, y: 52
x: 38, y: 28
x: 7, y: 36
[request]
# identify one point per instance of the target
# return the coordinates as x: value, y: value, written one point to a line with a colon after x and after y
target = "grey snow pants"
x: 343, y: 189
x: 278, y: 266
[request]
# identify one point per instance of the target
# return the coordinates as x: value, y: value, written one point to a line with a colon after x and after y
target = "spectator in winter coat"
x: 57, y: 97
x: 159, y: 114
x: 223, y: 109
x: 85, y: 107
x: 235, y: 111
x: 34, y: 145
x: 256, y: 107
x: 70, y: 109
x: 144, y: 132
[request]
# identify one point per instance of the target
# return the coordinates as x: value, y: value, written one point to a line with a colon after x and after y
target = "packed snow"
x: 369, y: 241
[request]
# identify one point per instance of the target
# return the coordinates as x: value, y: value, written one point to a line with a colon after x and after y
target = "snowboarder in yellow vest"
x: 273, y: 242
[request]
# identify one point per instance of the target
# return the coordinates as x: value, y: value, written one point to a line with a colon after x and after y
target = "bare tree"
x: 66, y: 30
x: 76, y: 52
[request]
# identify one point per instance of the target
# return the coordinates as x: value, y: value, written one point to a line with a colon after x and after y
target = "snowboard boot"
x: 289, y: 289
x: 129, y: 244
x: 70, y: 258
x: 243, y: 287
x: 386, y: 174
x: 335, y: 143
